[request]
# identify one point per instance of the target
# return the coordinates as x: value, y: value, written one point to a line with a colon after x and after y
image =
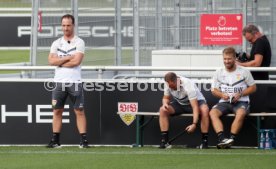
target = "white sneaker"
x: 225, y: 143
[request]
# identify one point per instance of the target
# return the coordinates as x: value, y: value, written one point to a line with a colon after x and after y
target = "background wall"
x: 104, y: 125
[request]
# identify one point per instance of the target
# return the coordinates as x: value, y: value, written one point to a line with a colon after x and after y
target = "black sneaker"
x: 53, y: 144
x: 203, y: 145
x: 225, y: 143
x: 84, y: 144
x: 164, y: 145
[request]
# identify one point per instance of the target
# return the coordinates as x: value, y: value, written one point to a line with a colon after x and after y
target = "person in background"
x: 260, y: 54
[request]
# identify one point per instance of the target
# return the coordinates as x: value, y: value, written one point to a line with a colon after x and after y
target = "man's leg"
x: 77, y: 97
x: 215, y: 115
x: 81, y: 125
x: 58, y: 99
x: 164, y: 125
x: 57, y: 124
x: 238, y: 122
x: 204, y: 125
x: 81, y: 120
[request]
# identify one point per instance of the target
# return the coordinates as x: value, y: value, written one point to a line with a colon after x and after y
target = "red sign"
x: 221, y: 29
x: 39, y: 21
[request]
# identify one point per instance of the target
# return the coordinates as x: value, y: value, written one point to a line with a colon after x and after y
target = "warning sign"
x: 221, y: 29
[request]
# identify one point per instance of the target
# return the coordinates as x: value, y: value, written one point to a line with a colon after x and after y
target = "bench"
x: 140, y: 124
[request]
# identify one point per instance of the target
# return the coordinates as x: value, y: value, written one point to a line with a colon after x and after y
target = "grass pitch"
x: 14, y: 157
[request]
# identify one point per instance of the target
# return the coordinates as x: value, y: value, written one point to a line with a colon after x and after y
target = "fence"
x: 166, y: 24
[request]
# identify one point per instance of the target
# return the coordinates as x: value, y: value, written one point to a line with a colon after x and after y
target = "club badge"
x: 127, y: 111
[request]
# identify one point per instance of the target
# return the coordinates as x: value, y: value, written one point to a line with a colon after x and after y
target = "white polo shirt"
x: 233, y: 82
x: 62, y: 48
x: 186, y: 92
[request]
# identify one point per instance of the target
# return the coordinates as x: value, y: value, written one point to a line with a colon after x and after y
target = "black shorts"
x: 226, y: 107
x: 181, y: 109
x: 63, y: 90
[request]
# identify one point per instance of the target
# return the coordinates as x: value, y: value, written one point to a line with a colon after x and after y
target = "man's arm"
x: 216, y: 92
x: 253, y: 63
x: 54, y: 60
x: 75, y: 60
x: 165, y: 101
x: 249, y: 90
x: 194, y: 104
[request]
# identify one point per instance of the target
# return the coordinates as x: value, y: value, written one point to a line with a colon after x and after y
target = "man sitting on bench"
x: 232, y: 85
x: 186, y: 99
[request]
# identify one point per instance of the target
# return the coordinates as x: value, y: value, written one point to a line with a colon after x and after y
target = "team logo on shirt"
x: 54, y: 103
x: 238, y: 76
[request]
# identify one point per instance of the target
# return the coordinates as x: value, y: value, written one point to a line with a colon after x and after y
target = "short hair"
x: 170, y: 77
x: 252, y: 29
x: 229, y: 51
x: 70, y: 17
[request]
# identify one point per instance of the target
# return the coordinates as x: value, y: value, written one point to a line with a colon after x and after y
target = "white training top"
x: 62, y: 48
x: 233, y: 82
x: 187, y: 91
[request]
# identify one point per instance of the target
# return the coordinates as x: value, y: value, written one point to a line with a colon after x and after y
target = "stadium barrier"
x: 140, y: 124
x: 104, y: 124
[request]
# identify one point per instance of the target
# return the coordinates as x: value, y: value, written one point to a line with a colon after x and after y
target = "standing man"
x: 67, y: 54
x: 260, y: 54
x: 186, y: 99
x: 233, y: 85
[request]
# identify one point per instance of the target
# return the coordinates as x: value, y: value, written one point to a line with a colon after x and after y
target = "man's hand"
x: 165, y: 106
x: 236, y: 97
x: 191, y: 128
x: 225, y: 96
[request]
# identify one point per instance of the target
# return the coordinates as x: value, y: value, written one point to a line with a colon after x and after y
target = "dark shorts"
x: 181, y: 109
x: 226, y: 107
x: 63, y: 90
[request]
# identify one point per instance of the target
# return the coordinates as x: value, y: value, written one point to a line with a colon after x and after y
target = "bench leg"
x: 139, y: 131
x: 258, y: 129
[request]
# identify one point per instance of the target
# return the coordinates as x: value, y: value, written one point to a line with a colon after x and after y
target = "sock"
x: 220, y: 136
x: 164, y: 136
x: 233, y: 136
x: 204, y: 137
x: 56, y: 137
x: 83, y: 136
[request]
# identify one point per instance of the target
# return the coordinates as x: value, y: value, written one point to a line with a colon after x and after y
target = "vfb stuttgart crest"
x: 127, y: 111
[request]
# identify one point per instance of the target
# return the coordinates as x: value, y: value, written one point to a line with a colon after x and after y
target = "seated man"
x: 186, y: 99
x: 232, y: 84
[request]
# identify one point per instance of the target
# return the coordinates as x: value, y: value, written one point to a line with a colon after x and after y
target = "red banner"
x: 221, y: 29
x: 39, y: 21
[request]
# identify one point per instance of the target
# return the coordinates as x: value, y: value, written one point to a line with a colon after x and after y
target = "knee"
x: 79, y: 112
x: 204, y: 112
x: 58, y: 112
x: 163, y: 112
x: 213, y: 114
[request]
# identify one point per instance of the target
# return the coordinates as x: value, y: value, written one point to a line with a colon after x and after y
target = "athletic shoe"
x: 84, y: 144
x: 203, y: 145
x: 53, y: 144
x: 164, y: 145
x: 225, y: 143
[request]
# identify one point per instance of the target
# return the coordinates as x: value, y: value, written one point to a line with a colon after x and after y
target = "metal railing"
x: 101, y: 69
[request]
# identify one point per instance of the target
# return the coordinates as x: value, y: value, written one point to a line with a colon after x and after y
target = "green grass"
x: 134, y: 158
x: 92, y: 58
x: 14, y: 56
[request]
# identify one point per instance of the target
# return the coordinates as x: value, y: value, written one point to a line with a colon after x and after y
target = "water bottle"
x: 262, y: 140
x: 268, y: 142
